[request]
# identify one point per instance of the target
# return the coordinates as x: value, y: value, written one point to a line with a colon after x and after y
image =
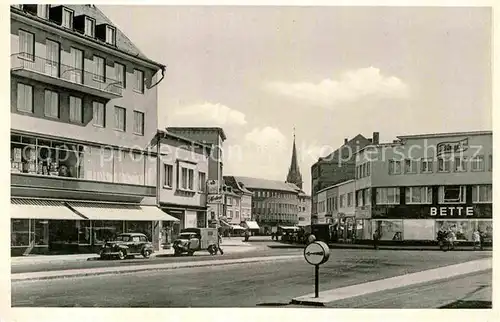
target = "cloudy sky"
x: 330, y: 72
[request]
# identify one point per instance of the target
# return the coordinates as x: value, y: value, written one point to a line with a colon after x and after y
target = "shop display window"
x: 103, y: 230
x: 463, y: 229
x: 63, y: 232
x: 40, y: 232
x: 20, y: 232
x: 389, y: 229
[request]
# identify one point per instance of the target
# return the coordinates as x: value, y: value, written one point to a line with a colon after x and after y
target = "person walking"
x: 219, y: 243
x: 476, y: 237
x: 376, y: 237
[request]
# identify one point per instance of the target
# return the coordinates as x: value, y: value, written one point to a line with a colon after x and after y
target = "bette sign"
x: 452, y: 211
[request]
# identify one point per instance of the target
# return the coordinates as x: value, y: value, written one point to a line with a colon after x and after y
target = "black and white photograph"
x: 285, y: 157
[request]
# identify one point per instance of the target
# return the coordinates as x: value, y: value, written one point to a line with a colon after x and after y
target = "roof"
x: 170, y: 135
x: 353, y: 144
x: 266, y: 184
x: 123, y: 43
x: 219, y: 130
x: 231, y: 181
x: 336, y: 185
x: 438, y: 135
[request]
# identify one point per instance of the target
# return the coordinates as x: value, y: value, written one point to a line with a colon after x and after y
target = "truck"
x: 191, y: 240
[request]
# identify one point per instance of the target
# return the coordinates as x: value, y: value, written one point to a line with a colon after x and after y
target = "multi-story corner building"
x: 337, y: 167
x: 419, y: 184
x: 83, y: 113
x: 304, y: 210
x: 245, y: 197
x: 182, y: 178
x: 274, y: 203
x: 215, y: 137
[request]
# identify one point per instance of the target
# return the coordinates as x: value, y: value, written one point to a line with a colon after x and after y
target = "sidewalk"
x: 383, y: 247
x: 327, y: 297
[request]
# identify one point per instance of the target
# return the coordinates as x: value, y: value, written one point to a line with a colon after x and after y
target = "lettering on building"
x: 452, y: 147
x: 452, y: 211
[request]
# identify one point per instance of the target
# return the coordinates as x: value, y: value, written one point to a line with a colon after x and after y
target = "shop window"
x: 477, y: 163
x: 103, y: 230
x: 63, y: 232
x: 427, y: 165
x: 387, y: 196
x: 452, y: 194
x: 20, y: 232
x: 389, y: 229
x: 463, y: 229
x: 418, y: 195
x: 482, y: 193
x: 40, y: 232
x: 143, y: 227
x: 444, y: 164
x: 394, y: 167
x: 84, y: 232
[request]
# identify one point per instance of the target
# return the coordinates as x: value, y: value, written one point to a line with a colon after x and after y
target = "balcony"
x: 69, y: 77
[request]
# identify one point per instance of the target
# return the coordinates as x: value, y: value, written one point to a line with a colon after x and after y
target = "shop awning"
x: 103, y: 211
x: 41, y: 209
x: 251, y: 224
x: 289, y: 228
x: 237, y: 227
x: 224, y: 223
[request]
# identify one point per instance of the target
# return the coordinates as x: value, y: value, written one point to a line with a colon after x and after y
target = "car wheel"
x: 146, y: 253
x: 121, y: 254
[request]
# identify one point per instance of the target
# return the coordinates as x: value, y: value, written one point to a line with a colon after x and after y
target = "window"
x: 460, y: 164
x: 418, y: 195
x: 387, y: 196
x: 24, y: 98
x: 120, y: 118
x: 99, y: 114
x: 237, y: 214
x: 26, y: 45
x: 168, y: 171
x: 482, y: 193
x: 394, y: 167
x: 120, y: 74
x: 184, y: 177
x: 444, y: 165
x: 52, y: 58
x: 76, y: 72
x: 43, y: 11
x: 110, y: 35
x: 452, y: 194
x: 367, y: 196
x: 51, y: 104
x: 190, y: 179
x: 427, y: 165
x: 229, y: 214
x: 342, y: 201
x: 410, y: 166
x: 477, y: 163
x: 491, y: 163
x: 89, y: 27
x: 75, y: 109
x: 138, y: 123
x: 138, y: 81
x: 202, y: 178
x: 67, y: 18
x: 368, y: 165
x: 229, y: 201
x: 99, y: 69
x: 359, y: 199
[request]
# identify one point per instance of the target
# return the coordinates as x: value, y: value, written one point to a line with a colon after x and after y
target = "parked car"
x: 125, y: 245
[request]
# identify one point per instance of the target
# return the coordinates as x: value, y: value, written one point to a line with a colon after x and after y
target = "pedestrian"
x: 219, y: 243
x: 311, y: 239
x: 376, y: 237
x: 451, y: 239
x: 476, y: 237
x: 481, y: 239
x: 247, y: 235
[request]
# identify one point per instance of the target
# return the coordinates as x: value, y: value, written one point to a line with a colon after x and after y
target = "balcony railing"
x: 75, y: 76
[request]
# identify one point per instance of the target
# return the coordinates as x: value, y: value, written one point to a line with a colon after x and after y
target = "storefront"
x: 51, y: 226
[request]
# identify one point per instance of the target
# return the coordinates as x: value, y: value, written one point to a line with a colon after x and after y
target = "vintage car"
x: 196, y: 239
x: 125, y: 245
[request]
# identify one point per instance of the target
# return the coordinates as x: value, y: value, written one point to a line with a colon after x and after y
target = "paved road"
x: 25, y: 265
x: 247, y: 285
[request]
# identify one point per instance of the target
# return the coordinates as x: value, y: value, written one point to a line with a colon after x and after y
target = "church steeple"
x: 294, y: 175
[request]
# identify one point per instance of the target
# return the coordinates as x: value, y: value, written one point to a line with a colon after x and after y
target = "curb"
x: 133, y: 269
x: 416, y: 248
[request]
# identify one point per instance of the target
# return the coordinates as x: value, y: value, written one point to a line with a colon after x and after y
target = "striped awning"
x: 251, y: 224
x: 21, y: 208
x: 104, y: 211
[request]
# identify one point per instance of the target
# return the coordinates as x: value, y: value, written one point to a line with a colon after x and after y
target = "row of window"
x: 229, y: 201
x: 363, y: 170
x: 185, y: 180
x: 458, y: 164
x: 25, y: 98
x: 43, y: 11
x: 423, y: 195
x: 273, y: 194
x: 289, y: 217
x: 276, y: 207
x: 77, y: 62
x: 229, y: 214
x: 334, y: 203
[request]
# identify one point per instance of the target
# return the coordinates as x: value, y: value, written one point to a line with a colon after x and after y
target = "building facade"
x: 245, y: 199
x: 83, y: 113
x: 419, y: 184
x: 182, y: 178
x: 304, y: 211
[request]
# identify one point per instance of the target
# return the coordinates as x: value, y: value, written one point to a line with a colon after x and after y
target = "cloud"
x: 350, y: 87
x: 210, y: 114
x: 267, y: 137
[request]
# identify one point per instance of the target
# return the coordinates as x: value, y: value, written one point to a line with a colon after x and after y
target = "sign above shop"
x: 452, y: 211
x: 452, y: 147
x: 214, y: 199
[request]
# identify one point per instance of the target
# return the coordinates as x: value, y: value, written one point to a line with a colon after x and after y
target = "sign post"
x: 316, y: 253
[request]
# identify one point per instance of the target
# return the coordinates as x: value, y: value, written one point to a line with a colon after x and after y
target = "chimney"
x: 345, y: 141
x: 375, y: 138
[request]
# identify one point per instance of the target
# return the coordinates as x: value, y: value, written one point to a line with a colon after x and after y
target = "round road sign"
x: 316, y: 253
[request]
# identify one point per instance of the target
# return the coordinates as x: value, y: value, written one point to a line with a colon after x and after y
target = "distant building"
x: 245, y: 204
x: 304, y: 211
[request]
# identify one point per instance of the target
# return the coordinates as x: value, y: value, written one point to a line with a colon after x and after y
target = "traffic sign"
x: 317, y: 253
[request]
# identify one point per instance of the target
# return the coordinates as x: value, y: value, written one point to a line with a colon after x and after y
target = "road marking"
x: 395, y: 282
x: 127, y: 269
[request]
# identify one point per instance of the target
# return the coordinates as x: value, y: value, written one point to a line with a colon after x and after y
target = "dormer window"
x: 43, y: 11
x: 67, y: 18
x: 89, y: 27
x: 110, y: 35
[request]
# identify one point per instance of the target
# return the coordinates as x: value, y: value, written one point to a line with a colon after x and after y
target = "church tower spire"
x: 294, y: 175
